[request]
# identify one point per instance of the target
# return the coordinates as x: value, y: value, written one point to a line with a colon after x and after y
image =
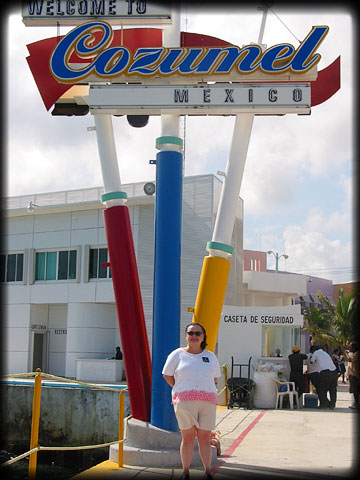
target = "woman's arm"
x: 170, y: 380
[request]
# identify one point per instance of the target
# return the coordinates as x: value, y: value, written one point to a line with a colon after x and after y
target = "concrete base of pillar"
x: 149, y: 446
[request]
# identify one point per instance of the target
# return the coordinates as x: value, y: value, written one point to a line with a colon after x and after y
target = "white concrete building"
x: 59, y: 301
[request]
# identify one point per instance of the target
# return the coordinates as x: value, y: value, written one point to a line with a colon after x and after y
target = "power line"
x: 323, y: 269
x: 326, y: 271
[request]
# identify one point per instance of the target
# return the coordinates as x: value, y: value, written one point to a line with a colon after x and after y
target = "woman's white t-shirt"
x: 194, y: 375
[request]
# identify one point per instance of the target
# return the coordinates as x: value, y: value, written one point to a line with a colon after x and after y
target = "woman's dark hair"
x: 203, y: 343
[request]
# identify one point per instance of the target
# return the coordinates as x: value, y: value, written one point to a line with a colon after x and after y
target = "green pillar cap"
x: 113, y: 196
x: 223, y: 247
x: 174, y: 140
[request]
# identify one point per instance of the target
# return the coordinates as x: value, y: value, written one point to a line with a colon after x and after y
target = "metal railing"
x: 225, y: 388
x: 34, y: 438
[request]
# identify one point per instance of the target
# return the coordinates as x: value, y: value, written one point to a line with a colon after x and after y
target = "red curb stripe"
x: 237, y: 442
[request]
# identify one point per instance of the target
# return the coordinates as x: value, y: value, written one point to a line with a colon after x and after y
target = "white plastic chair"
x: 290, y: 392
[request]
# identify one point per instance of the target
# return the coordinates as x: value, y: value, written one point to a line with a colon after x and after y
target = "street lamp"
x: 277, y: 256
x: 31, y: 206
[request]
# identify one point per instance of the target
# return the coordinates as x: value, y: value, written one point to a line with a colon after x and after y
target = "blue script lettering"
x: 113, y: 61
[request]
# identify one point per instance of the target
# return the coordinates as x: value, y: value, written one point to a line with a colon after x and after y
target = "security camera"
x: 138, y: 121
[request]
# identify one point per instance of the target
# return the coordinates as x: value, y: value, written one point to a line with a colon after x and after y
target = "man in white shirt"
x: 327, y: 378
x: 313, y: 369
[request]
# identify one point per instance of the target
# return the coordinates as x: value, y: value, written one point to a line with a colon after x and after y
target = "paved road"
x: 305, y: 443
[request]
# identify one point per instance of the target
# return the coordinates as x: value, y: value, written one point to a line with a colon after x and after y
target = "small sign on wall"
x: 36, y: 327
x: 60, y: 331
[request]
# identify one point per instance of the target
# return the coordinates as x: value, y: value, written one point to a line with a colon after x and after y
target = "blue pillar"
x: 167, y: 275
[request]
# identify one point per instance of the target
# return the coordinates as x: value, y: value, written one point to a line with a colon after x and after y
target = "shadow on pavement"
x: 252, y: 472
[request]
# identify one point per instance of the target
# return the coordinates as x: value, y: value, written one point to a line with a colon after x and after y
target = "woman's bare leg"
x: 203, y: 437
x: 187, y: 447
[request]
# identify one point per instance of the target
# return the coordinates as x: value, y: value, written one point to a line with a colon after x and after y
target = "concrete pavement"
x: 305, y: 443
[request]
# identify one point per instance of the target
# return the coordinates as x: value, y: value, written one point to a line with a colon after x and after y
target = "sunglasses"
x: 194, y: 333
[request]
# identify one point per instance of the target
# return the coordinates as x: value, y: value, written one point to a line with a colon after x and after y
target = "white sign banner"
x: 76, y: 12
x: 218, y: 99
x: 287, y: 316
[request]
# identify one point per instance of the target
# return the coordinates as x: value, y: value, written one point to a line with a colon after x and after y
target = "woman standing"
x: 192, y: 371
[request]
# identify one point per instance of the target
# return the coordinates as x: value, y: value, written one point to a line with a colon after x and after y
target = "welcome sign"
x: 94, y: 54
x: 75, y: 12
x: 99, y: 61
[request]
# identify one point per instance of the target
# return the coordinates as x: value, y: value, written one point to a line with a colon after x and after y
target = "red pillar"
x: 136, y: 353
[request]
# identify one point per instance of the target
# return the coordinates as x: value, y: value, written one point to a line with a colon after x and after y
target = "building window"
x: 97, y: 257
x: 11, y: 267
x: 279, y: 337
x: 58, y: 265
x: 255, y: 265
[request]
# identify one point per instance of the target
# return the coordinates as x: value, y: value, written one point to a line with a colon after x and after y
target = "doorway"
x: 39, y: 351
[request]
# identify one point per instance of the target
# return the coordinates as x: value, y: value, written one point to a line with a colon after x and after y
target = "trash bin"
x: 310, y: 400
x: 265, y: 391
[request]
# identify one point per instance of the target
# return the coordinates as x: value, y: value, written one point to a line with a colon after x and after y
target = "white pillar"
x: 169, y: 128
x: 170, y: 122
x: 171, y: 32
x: 225, y: 218
x: 108, y: 159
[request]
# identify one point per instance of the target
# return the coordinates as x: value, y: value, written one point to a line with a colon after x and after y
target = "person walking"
x: 296, y: 360
x: 335, y: 359
x: 341, y: 363
x: 327, y: 378
x: 353, y: 358
x: 192, y: 372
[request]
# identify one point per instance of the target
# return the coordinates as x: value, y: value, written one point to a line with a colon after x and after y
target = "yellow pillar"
x: 34, y: 440
x: 210, y: 296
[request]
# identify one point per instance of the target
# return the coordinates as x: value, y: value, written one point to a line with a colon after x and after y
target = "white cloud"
x: 311, y: 252
x: 338, y: 222
x: 206, y: 137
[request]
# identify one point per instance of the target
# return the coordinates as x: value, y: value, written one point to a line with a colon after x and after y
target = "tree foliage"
x: 318, y: 324
x: 337, y: 324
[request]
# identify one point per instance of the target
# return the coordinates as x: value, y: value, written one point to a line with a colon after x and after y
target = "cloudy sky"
x: 298, y: 180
